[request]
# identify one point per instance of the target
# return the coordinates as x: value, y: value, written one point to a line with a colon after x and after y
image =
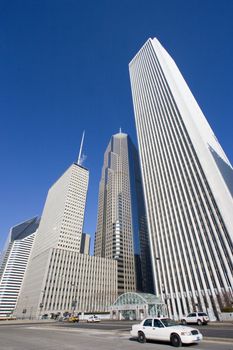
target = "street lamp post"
x: 74, y: 301
x: 158, y: 282
x: 164, y: 296
x: 24, y: 312
x: 25, y: 308
x: 41, y: 305
x: 31, y: 313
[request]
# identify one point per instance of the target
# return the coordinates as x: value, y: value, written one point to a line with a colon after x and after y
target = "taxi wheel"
x: 141, y: 337
x: 175, y: 340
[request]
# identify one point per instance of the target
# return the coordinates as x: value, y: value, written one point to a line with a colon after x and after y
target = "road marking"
x: 80, y: 330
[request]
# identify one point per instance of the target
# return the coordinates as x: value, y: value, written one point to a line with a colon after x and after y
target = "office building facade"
x: 63, y: 215
x: 121, y: 232
x: 14, y: 263
x: 72, y: 282
x: 59, y: 278
x: 188, y: 188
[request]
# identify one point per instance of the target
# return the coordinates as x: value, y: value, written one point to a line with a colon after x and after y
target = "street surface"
x: 57, y: 336
x: 211, y: 330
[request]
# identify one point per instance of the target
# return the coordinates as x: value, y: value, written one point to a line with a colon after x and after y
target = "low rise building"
x: 72, y: 282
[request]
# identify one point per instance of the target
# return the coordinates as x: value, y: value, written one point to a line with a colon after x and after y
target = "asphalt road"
x: 211, y: 330
x: 55, y: 337
x: 217, y: 332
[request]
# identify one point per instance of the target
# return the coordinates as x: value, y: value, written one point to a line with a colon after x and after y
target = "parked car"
x: 164, y: 329
x: 45, y: 317
x: 64, y: 318
x: 93, y: 318
x: 73, y: 319
x: 196, y: 317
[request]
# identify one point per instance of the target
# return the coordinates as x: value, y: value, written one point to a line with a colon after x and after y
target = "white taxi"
x: 164, y: 329
x: 93, y: 318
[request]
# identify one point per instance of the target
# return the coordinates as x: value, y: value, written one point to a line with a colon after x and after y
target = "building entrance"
x: 137, y: 306
x: 129, y: 315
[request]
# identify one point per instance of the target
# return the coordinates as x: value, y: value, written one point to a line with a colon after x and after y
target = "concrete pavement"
x: 50, y: 337
x: 215, y: 332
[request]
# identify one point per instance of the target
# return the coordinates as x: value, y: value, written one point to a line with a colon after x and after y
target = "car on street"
x: 45, y: 317
x: 165, y: 329
x: 196, y: 318
x: 73, y: 319
x: 93, y: 318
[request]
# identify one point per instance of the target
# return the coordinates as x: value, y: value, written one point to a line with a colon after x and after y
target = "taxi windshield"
x: 168, y: 322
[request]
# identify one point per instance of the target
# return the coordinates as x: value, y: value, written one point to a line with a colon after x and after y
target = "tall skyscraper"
x: 188, y: 187
x: 121, y: 225
x: 59, y: 278
x: 14, y: 262
x: 85, y: 244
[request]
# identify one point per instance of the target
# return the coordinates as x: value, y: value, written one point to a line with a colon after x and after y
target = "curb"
x: 23, y: 323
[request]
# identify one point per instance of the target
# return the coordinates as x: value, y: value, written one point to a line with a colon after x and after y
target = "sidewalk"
x: 25, y: 321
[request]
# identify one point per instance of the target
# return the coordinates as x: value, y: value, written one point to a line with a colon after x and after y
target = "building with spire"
x: 59, y: 278
x: 121, y: 232
x: 188, y: 186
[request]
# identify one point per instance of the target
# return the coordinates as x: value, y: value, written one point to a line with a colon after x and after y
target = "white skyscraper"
x: 188, y: 185
x: 14, y: 263
x: 61, y: 226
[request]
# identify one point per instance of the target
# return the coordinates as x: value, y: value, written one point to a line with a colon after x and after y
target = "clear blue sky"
x: 64, y: 68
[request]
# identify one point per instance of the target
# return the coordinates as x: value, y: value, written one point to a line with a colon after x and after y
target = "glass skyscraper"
x: 188, y: 186
x: 121, y: 228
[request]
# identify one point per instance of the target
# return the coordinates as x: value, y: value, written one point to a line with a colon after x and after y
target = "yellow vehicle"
x: 73, y: 319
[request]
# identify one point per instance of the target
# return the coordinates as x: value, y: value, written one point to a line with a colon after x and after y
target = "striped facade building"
x: 69, y: 282
x: 188, y: 186
x: 14, y: 263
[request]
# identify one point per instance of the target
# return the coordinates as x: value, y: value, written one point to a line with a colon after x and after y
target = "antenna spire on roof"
x: 80, y: 159
x: 120, y: 130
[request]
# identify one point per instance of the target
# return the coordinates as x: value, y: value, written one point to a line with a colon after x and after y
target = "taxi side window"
x: 158, y: 324
x: 148, y: 323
